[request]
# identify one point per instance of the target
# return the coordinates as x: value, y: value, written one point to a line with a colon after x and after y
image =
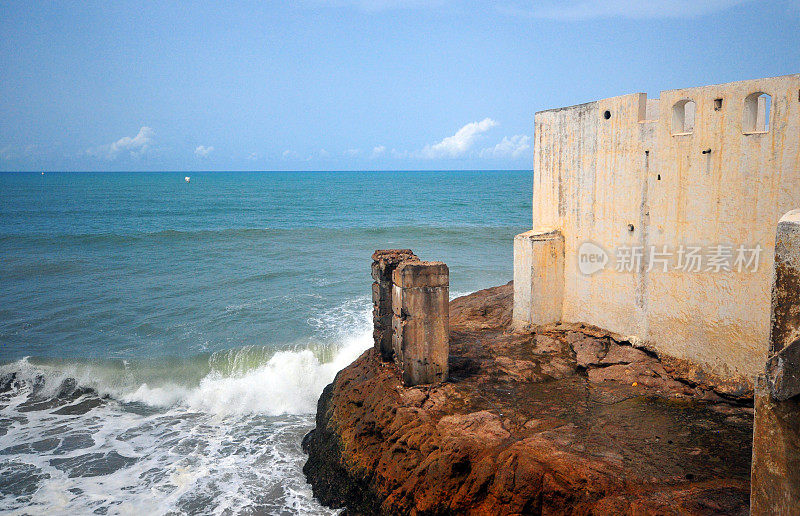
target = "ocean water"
x: 163, y: 343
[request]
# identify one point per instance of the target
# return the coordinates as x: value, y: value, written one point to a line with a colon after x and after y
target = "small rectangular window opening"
x: 717, y: 104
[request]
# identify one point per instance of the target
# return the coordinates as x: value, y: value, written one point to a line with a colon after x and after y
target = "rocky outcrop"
x: 566, y: 419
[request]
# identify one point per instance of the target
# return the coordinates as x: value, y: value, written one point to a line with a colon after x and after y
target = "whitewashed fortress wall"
x: 629, y: 172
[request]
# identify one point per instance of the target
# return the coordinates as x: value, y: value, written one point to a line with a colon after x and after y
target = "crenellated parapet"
x: 678, y: 197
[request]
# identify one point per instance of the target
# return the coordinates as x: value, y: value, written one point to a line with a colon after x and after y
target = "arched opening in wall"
x: 757, y: 108
x: 683, y: 117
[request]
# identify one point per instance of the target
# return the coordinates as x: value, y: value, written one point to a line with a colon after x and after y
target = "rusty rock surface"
x: 566, y: 420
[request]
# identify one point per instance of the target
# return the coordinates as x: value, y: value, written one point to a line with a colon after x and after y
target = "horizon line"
x: 255, y: 171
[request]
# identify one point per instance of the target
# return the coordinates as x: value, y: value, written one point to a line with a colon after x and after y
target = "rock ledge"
x: 566, y: 419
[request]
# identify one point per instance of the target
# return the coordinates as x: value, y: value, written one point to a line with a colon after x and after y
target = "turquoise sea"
x: 163, y: 342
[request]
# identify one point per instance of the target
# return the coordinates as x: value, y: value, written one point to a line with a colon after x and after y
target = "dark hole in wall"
x: 630, y: 227
x: 717, y: 104
x: 659, y: 177
x: 607, y: 114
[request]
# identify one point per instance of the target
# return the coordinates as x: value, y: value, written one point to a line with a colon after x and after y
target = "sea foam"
x: 211, y: 434
x: 248, y: 380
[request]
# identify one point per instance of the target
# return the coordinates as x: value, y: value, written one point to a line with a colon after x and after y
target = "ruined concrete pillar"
x: 420, y: 302
x: 775, y: 476
x: 384, y: 262
x: 538, y: 278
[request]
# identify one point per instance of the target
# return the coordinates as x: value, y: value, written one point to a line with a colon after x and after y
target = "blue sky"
x: 348, y: 85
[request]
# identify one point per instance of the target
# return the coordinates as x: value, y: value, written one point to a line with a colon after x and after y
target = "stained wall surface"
x: 693, y: 169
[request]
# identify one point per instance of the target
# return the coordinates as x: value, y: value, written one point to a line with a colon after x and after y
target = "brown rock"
x: 588, y: 351
x: 485, y: 309
x: 523, y: 428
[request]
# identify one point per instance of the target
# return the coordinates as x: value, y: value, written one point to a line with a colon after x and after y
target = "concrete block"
x: 783, y: 359
x: 384, y: 262
x: 420, y: 306
x: 387, y: 257
x: 421, y: 274
x: 775, y: 475
x: 783, y: 372
x: 785, y: 310
x: 538, y: 278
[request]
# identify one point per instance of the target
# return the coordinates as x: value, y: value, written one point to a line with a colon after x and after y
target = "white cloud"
x: 323, y: 154
x: 136, y: 145
x: 513, y: 147
x: 460, y: 143
x: 352, y: 153
x: 635, y: 9
x: 202, y: 151
x: 20, y: 152
x: 290, y: 155
x: 378, y: 151
x: 252, y: 156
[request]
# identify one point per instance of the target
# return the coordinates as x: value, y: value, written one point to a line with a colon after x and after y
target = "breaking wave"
x: 210, y: 434
x: 250, y: 379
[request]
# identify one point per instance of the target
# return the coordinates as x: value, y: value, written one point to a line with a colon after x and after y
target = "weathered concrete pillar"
x: 775, y: 477
x: 420, y: 302
x: 384, y: 262
x: 538, y: 278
